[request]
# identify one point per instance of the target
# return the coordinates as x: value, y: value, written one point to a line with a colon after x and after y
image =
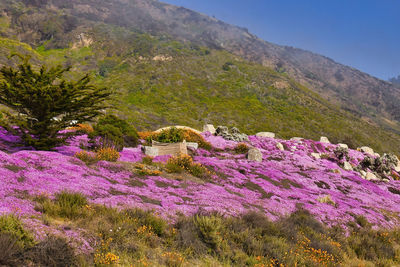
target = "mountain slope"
x: 161, y: 81
x: 352, y: 89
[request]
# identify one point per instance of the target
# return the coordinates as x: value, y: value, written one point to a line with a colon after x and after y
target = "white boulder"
x: 280, y: 146
x: 266, y: 134
x: 324, y: 139
x: 254, y: 154
x: 209, y: 128
x: 192, y: 145
x: 150, y: 151
x: 347, y: 166
x: 316, y: 155
x: 343, y: 146
x: 367, y: 150
x: 371, y: 177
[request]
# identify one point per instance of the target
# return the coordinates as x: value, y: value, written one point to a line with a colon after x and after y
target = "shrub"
x: 326, y: 199
x: 191, y: 136
x: 9, y: 250
x: 147, y: 218
x: 369, y: 244
x: 108, y: 154
x: 171, y: 135
x: 38, y: 97
x: 87, y: 157
x: 173, y: 259
x: 241, y: 148
x: 65, y: 205
x: 147, y: 160
x: 52, y: 251
x: 175, y: 135
x: 10, y: 224
x: 210, y: 228
x: 111, y: 131
x: 142, y: 170
x: 187, y: 237
x: 179, y: 163
x: 185, y: 163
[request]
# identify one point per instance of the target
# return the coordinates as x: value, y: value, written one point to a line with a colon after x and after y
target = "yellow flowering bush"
x: 107, y: 154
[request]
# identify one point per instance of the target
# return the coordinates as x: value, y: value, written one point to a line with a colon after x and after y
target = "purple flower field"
x: 275, y: 186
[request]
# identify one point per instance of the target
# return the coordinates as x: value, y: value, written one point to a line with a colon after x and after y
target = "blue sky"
x: 364, y: 34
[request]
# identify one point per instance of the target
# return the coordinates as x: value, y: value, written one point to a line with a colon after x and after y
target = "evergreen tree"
x: 43, y: 103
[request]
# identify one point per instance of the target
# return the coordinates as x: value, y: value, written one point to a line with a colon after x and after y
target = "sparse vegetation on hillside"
x: 164, y: 82
x: 136, y: 237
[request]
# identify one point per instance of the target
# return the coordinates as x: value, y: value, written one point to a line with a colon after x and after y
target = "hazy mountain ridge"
x: 395, y: 80
x: 352, y: 89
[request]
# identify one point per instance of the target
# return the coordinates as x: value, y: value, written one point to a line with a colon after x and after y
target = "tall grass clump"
x: 66, y: 204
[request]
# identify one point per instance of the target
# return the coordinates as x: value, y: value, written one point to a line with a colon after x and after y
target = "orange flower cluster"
x: 145, y: 230
x: 319, y: 256
x: 173, y: 259
x: 102, y: 256
x: 142, y: 170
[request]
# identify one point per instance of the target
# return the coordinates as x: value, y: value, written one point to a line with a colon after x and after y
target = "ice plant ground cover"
x: 283, y: 181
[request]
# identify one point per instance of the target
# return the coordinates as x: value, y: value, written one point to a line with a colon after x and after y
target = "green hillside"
x: 159, y: 81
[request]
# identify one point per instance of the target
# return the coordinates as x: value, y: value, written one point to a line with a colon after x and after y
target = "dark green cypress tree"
x: 43, y: 103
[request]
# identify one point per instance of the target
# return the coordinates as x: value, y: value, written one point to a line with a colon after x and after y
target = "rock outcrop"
x: 233, y: 134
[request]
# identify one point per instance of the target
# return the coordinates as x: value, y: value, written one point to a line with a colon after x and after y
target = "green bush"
x: 210, y: 228
x: 171, y: 135
x: 111, y: 131
x: 10, y: 224
x: 65, y: 205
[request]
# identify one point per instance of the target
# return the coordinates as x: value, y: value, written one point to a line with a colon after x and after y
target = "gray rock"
x: 363, y: 173
x: 386, y: 180
x: 254, y: 154
x: 150, y: 151
x: 221, y: 130
x: 192, y: 145
x: 280, y: 147
x: 235, y: 130
x: 209, y: 128
x: 266, y: 134
x: 367, y: 150
x: 324, y: 139
x: 233, y: 135
x: 347, y: 166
